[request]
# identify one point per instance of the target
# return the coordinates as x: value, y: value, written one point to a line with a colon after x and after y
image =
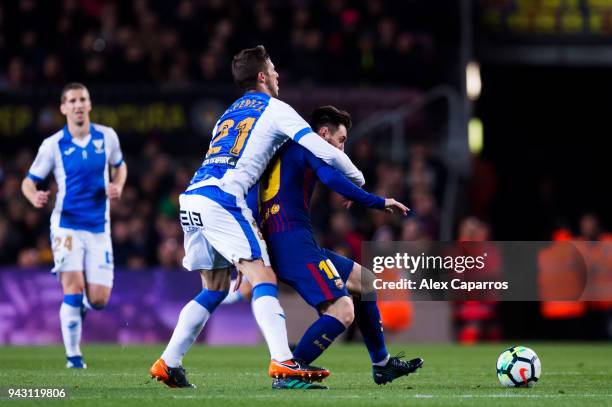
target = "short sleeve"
x: 115, y: 156
x: 43, y: 163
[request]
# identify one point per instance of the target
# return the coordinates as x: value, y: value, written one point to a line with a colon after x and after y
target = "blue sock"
x: 368, y: 319
x: 74, y: 300
x: 210, y: 299
x: 318, y: 337
x: 265, y: 289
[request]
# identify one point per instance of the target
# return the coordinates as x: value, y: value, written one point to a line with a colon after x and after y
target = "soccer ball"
x: 518, y: 366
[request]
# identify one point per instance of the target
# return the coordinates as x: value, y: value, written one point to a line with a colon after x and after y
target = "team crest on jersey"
x: 339, y: 283
x: 275, y: 208
x: 99, y: 144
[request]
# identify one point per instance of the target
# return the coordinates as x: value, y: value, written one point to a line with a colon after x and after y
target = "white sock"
x: 70, y: 320
x: 86, y: 303
x: 191, y: 320
x: 271, y: 320
x: 383, y: 362
x: 233, y: 296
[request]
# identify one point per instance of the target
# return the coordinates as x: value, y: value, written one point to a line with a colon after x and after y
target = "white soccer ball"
x: 518, y: 366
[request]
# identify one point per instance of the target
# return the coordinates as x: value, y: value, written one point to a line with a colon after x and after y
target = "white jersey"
x: 246, y: 137
x: 80, y: 168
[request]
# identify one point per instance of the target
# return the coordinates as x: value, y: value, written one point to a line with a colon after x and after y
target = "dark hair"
x: 69, y: 87
x: 247, y: 64
x: 329, y: 116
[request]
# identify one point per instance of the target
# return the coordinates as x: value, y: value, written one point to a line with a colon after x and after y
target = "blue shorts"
x: 317, y: 274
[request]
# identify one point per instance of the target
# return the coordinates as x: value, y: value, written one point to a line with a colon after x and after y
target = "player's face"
x: 337, y: 138
x: 76, y: 106
x: 271, y: 80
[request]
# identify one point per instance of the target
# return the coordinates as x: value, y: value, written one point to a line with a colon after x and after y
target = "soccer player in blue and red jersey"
x: 324, y: 279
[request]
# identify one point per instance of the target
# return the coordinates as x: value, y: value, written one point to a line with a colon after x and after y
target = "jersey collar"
x: 68, y: 136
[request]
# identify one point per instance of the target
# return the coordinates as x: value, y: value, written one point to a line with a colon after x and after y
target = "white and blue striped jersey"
x: 246, y: 137
x: 81, y: 170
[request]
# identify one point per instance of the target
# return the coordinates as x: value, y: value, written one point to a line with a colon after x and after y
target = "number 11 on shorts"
x: 329, y: 269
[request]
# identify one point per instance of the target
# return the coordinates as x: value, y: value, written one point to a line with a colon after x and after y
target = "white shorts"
x: 219, y: 231
x: 80, y: 250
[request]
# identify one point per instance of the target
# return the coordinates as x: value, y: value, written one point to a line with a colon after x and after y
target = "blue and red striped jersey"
x: 280, y: 201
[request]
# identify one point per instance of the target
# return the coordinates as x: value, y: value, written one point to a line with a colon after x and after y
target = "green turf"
x: 572, y: 375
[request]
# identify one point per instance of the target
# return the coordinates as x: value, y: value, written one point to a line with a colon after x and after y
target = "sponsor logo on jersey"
x: 223, y: 160
x: 69, y: 151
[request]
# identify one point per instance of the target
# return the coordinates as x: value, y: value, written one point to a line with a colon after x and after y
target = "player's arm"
x: 293, y: 126
x: 332, y: 156
x: 337, y: 182
x: 42, y: 165
x: 37, y: 198
x: 118, y: 177
x: 118, y: 168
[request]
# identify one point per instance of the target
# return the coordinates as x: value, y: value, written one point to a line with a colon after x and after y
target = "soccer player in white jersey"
x: 219, y: 228
x: 79, y: 156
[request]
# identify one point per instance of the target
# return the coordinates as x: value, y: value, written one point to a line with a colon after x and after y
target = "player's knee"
x: 98, y: 304
x: 348, y: 314
x: 216, y: 280
x: 342, y: 309
x: 210, y: 299
x: 72, y: 282
x: 257, y: 273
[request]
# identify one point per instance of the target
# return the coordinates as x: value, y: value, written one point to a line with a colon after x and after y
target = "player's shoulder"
x: 280, y: 106
x: 106, y: 130
x: 53, y: 139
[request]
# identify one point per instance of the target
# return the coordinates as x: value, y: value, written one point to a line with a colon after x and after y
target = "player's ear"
x: 323, y: 132
x: 261, y: 77
x: 63, y: 109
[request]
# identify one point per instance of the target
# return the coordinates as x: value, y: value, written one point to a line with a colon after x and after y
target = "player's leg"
x: 99, y: 269
x: 242, y: 294
x: 97, y: 296
x: 215, y: 274
x: 304, y: 266
x: 191, y: 321
x: 336, y: 316
x: 71, y: 320
x: 267, y: 310
x: 68, y: 256
x: 270, y: 317
x: 367, y: 315
x: 228, y: 225
x: 194, y: 315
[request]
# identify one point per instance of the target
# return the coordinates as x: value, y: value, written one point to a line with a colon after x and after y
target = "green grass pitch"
x: 572, y: 375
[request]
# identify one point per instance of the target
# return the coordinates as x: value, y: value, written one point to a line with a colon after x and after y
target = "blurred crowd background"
x: 541, y: 175
x: 176, y: 44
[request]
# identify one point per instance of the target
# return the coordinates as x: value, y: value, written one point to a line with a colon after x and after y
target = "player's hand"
x: 40, y: 199
x: 114, y: 191
x: 347, y: 204
x: 391, y: 205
